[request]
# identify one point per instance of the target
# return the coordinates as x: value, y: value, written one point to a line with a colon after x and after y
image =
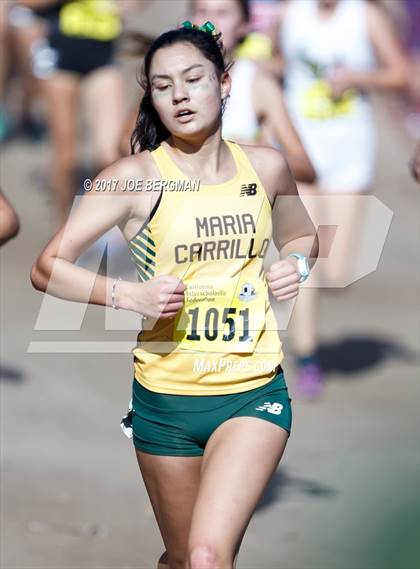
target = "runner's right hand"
x: 159, y: 297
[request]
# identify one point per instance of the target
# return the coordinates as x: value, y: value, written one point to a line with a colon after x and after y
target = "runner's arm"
x: 391, y: 74
x: 271, y: 108
x: 9, y: 222
x: 293, y: 230
x: 55, y: 271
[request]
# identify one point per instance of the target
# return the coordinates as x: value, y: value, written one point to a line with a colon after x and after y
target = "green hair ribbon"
x: 208, y: 27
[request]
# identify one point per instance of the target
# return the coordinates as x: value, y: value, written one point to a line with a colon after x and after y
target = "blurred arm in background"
x: 3, y: 48
x: 271, y: 111
x: 392, y: 72
x: 9, y: 221
x: 276, y: 64
x: 128, y: 6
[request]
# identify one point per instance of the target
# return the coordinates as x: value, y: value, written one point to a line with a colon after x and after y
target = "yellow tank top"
x: 213, y: 238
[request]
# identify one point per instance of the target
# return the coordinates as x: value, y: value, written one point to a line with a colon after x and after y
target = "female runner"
x: 209, y: 395
x: 78, y: 57
x: 255, y: 112
x: 337, y: 52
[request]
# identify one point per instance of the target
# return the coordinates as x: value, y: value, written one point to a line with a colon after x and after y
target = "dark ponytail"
x: 149, y: 131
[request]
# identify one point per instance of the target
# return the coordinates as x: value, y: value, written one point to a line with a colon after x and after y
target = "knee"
x: 207, y: 557
x: 174, y: 562
x: 163, y: 562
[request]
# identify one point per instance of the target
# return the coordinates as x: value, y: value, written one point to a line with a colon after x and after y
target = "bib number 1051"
x: 214, y: 325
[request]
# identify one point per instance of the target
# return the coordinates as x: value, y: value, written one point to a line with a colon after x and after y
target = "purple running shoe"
x: 309, y: 382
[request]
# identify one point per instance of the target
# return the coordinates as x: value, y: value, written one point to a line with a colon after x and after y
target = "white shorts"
x: 342, y: 151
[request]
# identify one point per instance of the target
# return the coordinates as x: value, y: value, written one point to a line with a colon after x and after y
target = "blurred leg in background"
x: 4, y: 64
x: 76, y: 63
x: 26, y: 31
x: 333, y: 115
x: 303, y: 326
x: 61, y: 95
x: 105, y: 114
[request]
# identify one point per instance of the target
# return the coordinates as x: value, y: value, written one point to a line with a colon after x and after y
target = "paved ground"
x: 346, y: 494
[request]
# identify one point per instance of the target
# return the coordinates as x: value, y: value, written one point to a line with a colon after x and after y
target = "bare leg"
x: 231, y: 485
x: 303, y: 324
x: 303, y: 329
x: 104, y: 95
x: 342, y: 213
x: 346, y: 238
x: 61, y: 93
x: 4, y: 8
x: 23, y: 39
x: 172, y: 484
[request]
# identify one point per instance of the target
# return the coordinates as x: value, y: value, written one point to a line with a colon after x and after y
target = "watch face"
x: 303, y: 267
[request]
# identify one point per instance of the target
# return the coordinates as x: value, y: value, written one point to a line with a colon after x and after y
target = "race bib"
x: 93, y: 19
x: 317, y: 102
x: 221, y: 316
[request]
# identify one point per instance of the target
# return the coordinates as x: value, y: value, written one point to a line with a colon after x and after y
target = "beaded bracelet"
x: 114, y: 284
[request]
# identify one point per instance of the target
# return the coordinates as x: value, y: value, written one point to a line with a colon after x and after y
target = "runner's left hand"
x: 283, y: 279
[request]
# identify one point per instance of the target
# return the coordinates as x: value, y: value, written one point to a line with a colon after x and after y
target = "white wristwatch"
x: 302, y: 264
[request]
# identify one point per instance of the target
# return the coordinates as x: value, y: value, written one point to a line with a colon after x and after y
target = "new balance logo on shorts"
x: 248, y: 189
x: 275, y: 408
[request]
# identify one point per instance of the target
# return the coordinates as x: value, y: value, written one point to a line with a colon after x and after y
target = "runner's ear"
x: 225, y: 86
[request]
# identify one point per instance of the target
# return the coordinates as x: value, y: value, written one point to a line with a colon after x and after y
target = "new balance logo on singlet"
x: 248, y: 189
x: 275, y: 408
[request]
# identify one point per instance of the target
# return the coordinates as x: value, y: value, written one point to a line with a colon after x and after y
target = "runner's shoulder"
x: 139, y: 166
x: 269, y: 163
